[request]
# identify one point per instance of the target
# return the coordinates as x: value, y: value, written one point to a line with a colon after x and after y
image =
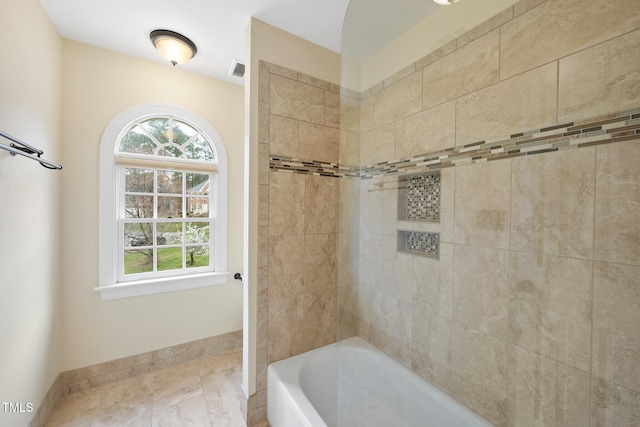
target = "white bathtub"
x: 368, y: 389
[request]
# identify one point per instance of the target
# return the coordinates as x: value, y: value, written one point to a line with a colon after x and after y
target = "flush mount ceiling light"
x: 446, y: 2
x: 173, y: 47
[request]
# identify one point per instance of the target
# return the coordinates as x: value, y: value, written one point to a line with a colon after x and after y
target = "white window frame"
x: 108, y: 285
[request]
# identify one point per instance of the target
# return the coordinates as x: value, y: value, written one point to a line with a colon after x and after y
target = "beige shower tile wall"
x: 617, y: 231
x: 301, y: 263
x: 552, y: 30
x: 525, y: 101
x: 304, y: 116
x: 479, y: 381
x: 378, y: 144
x: 397, y: 101
x: 616, y: 316
x: 431, y: 347
x: 579, y: 98
x: 498, y: 86
x: 299, y: 119
x: 481, y: 289
x: 297, y: 100
x: 437, y: 122
x: 531, y: 247
x: 432, y: 282
x: 473, y: 66
x: 549, y: 385
x: 530, y: 314
x: 542, y: 319
x: 614, y: 405
x: 539, y: 188
x: 550, y: 307
x: 348, y: 252
x: 482, y: 203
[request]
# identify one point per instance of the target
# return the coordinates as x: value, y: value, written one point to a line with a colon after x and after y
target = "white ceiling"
x: 217, y: 27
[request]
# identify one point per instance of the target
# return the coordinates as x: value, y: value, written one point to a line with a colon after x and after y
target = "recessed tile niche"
x: 419, y: 197
x: 419, y: 200
x: 419, y: 243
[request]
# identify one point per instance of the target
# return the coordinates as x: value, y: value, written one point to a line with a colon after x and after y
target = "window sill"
x: 157, y: 286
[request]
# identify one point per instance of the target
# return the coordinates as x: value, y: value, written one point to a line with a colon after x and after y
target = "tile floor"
x: 201, y: 393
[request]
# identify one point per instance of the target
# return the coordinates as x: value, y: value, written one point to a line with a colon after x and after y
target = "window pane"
x: 169, y: 233
x: 159, y: 128
x: 166, y: 213
x: 136, y: 141
x: 197, y: 256
x: 182, y: 132
x: 170, y: 151
x: 197, y: 182
x: 139, y: 234
x: 138, y: 206
x: 169, y: 182
x: 198, y: 189
x: 199, y: 149
x: 197, y: 232
x: 138, y: 180
x: 169, y: 207
x: 198, y: 207
x: 169, y: 259
x: 138, y: 261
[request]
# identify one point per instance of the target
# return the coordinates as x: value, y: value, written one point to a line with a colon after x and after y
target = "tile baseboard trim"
x: 88, y: 377
x: 257, y: 410
x: 49, y: 402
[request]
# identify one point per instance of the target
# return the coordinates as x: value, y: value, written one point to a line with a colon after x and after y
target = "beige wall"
x: 97, y: 85
x: 267, y: 43
x: 29, y: 212
x: 529, y: 316
x: 53, y: 254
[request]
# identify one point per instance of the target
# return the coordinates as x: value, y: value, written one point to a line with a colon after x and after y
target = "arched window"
x: 163, y: 203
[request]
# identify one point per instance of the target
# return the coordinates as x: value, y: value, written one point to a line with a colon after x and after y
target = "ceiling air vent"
x: 237, y: 68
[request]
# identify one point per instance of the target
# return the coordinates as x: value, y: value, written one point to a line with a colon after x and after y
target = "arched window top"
x: 163, y: 203
x: 167, y: 136
x: 164, y: 132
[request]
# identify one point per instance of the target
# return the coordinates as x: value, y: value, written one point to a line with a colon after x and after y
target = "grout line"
x: 509, y: 272
x: 453, y: 260
x: 593, y: 268
x: 558, y: 91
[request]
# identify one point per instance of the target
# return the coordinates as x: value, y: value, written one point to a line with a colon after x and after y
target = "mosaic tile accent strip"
x: 607, y: 129
x: 312, y: 167
x: 423, y: 197
x: 421, y: 242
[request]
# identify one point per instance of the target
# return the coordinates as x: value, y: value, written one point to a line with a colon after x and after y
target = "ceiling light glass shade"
x: 173, y: 47
x: 446, y: 2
